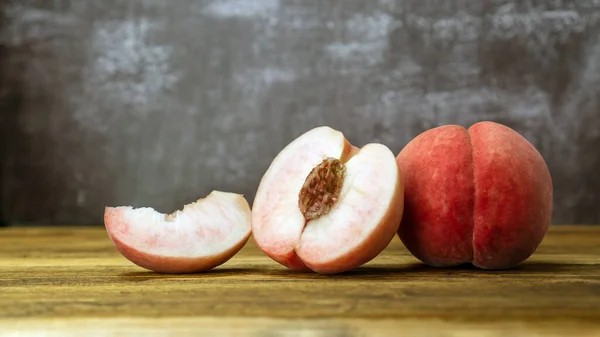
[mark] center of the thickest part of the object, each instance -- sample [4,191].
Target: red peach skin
[481,196]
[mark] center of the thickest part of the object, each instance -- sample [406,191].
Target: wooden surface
[72,281]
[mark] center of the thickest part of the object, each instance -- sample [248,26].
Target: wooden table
[71,281]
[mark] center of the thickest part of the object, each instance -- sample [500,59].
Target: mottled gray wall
[148,102]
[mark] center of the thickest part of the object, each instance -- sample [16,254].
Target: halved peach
[203,235]
[327,206]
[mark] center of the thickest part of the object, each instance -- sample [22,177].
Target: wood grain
[69,280]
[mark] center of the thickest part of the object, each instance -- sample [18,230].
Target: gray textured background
[155,103]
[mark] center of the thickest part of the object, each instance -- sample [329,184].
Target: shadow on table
[371,272]
[531,268]
[217,272]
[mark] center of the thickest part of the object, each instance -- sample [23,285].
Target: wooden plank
[262,326]
[65,279]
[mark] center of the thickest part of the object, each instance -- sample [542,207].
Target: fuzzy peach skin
[204,235]
[480,196]
[362,222]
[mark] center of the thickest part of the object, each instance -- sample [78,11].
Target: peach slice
[327,206]
[203,235]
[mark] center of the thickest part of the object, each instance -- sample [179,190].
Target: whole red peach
[480,196]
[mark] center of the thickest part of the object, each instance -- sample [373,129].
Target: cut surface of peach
[201,236]
[327,206]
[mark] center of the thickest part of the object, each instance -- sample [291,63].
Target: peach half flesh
[203,235]
[327,206]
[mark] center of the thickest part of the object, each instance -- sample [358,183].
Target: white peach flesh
[202,236]
[360,224]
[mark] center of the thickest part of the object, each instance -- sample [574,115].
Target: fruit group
[327,206]
[481,196]
[203,235]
